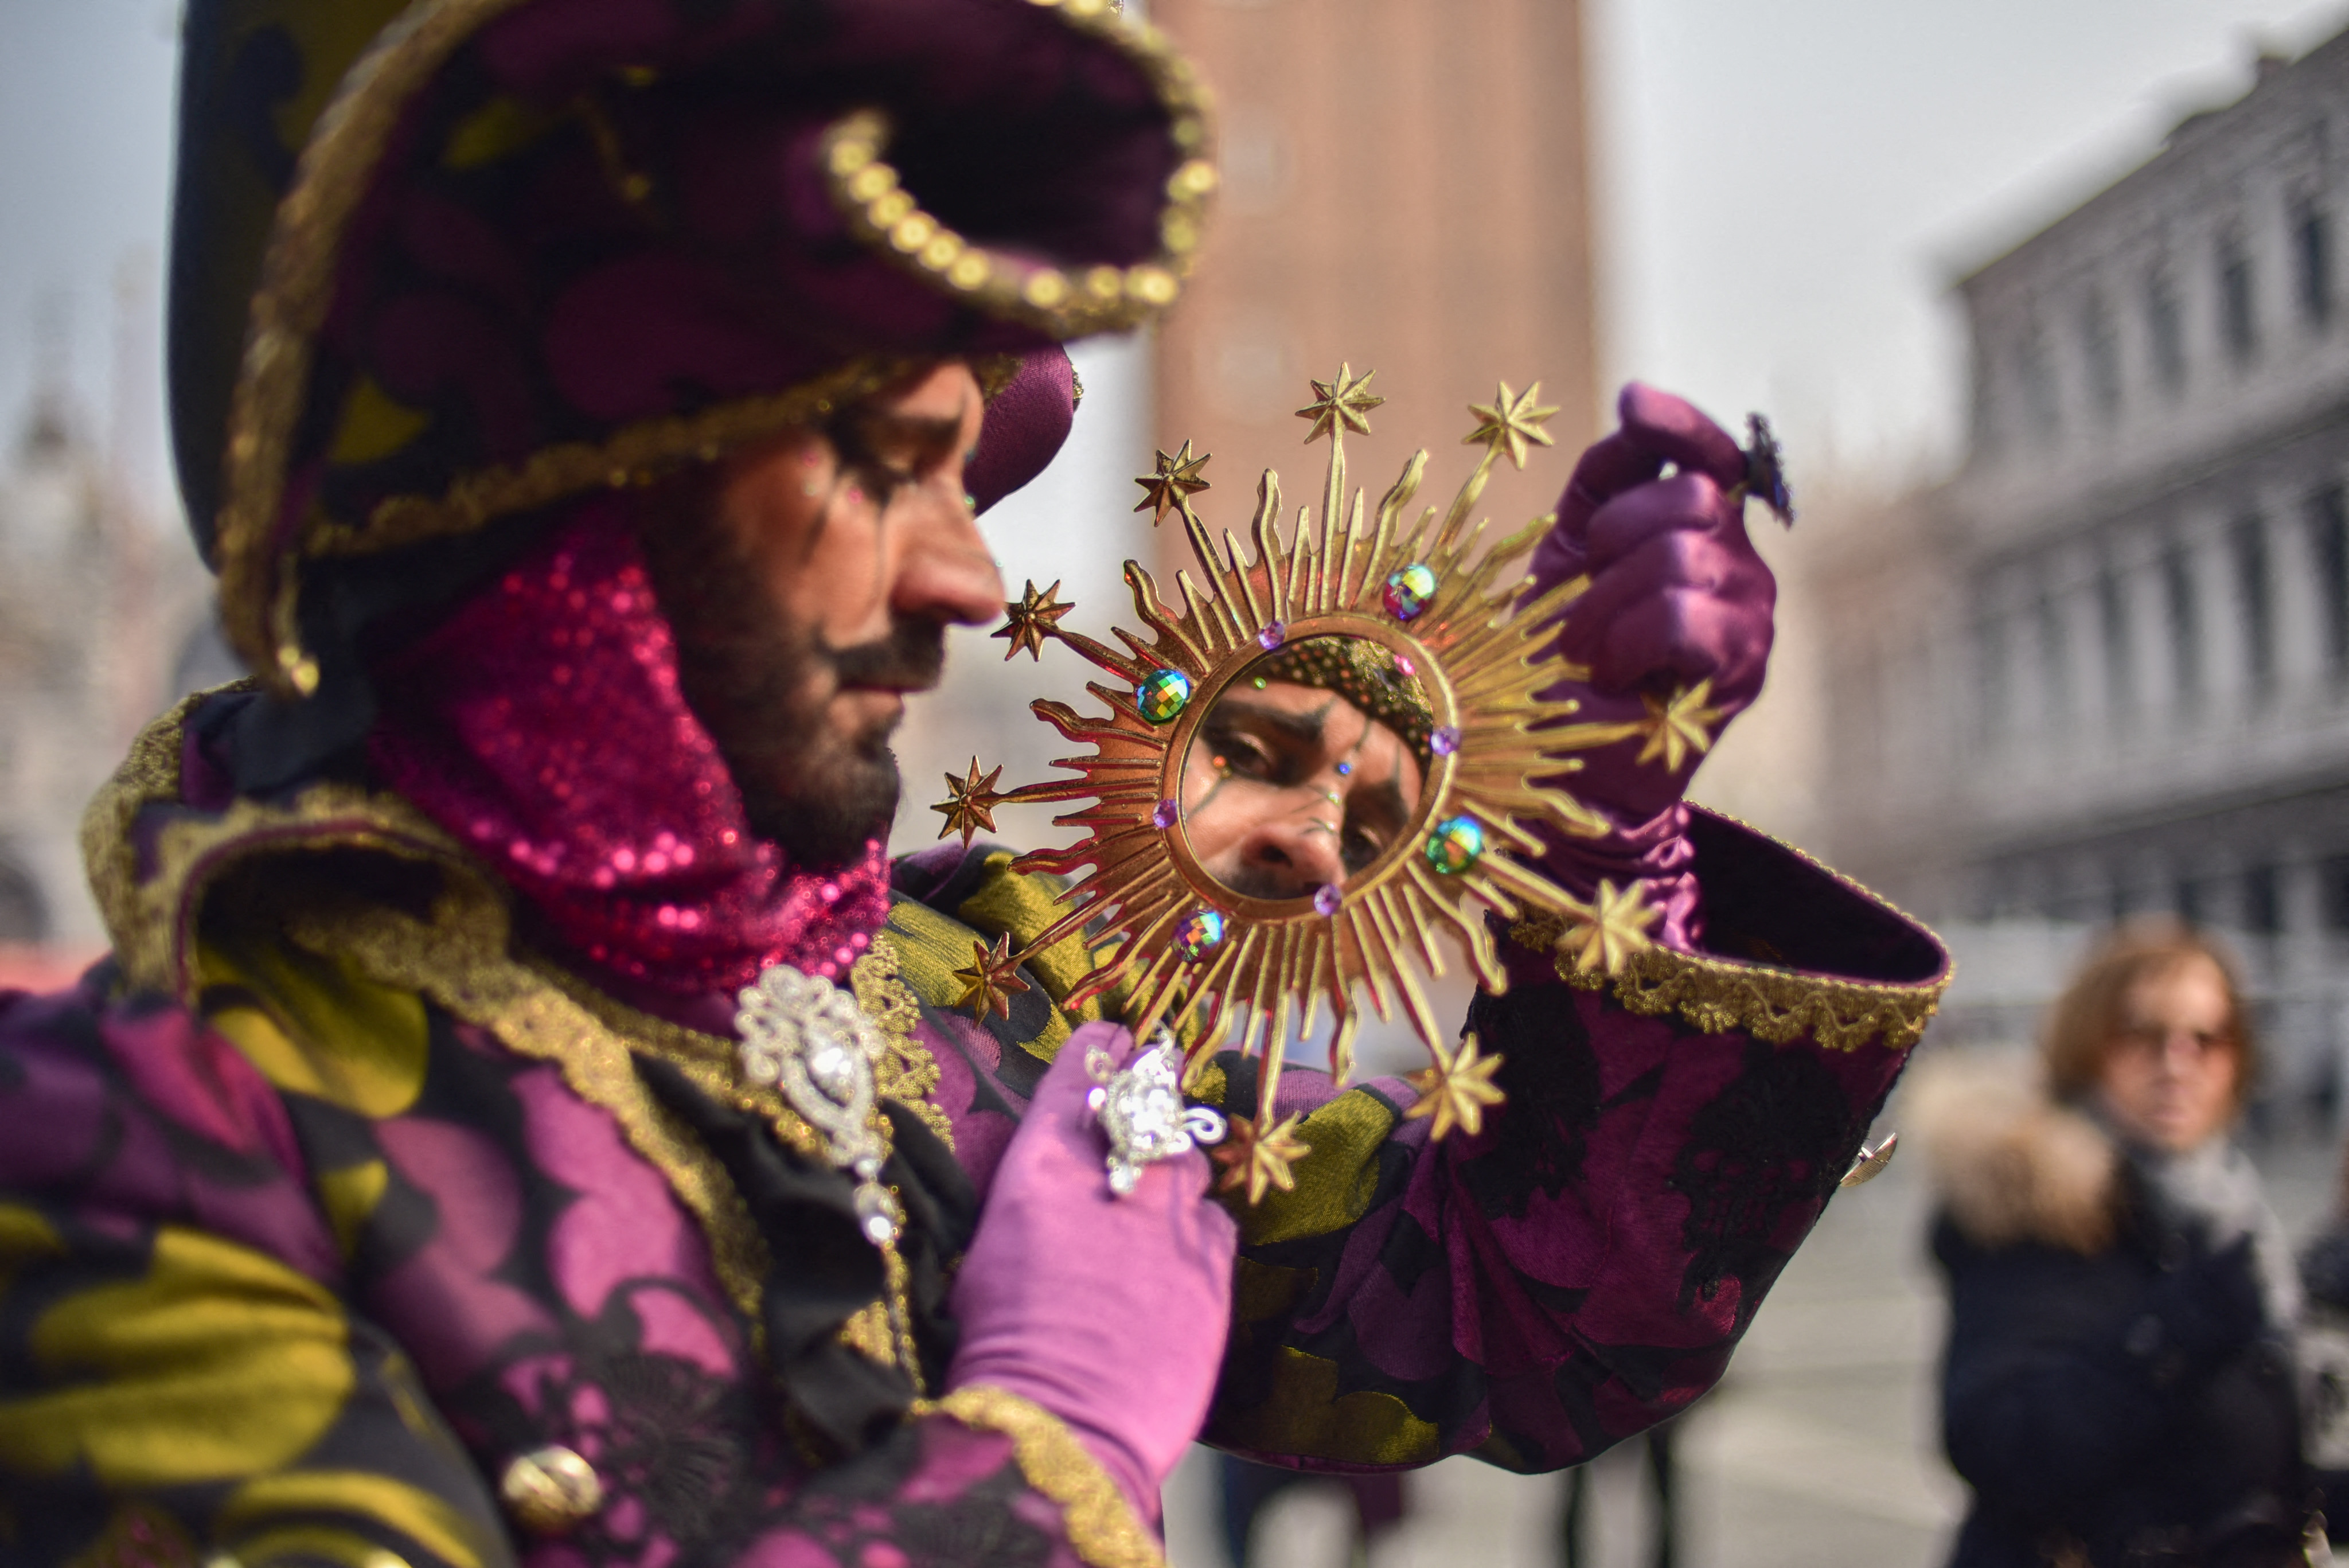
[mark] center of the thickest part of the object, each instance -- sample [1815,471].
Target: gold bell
[551,1491]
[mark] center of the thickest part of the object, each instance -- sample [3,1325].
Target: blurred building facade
[99,614]
[1406,188]
[2105,669]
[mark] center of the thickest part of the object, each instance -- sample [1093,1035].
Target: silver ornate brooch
[808,1038]
[1142,1112]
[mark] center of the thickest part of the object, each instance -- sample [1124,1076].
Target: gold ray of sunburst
[1479,656]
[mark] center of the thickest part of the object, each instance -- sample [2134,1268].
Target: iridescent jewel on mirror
[1408,592]
[1163,695]
[1199,933]
[1456,844]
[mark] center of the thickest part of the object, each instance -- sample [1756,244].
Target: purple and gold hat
[440,264]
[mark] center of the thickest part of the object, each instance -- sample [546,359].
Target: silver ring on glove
[1141,1112]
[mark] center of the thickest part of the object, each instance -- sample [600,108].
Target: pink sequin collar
[542,725]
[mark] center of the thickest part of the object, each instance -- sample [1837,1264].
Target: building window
[24,913]
[2255,602]
[2185,622]
[1997,691]
[2040,400]
[2112,618]
[1985,403]
[2312,249]
[2100,347]
[2165,329]
[2238,318]
[2055,657]
[2332,878]
[2262,902]
[2328,530]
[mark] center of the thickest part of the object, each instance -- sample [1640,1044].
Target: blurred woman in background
[2118,1386]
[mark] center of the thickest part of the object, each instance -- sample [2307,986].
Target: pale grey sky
[1787,186]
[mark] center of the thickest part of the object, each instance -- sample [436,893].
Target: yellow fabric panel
[936,945]
[310,1544]
[1025,907]
[1304,1415]
[350,1195]
[1261,1290]
[374,424]
[499,127]
[24,1236]
[328,38]
[219,1362]
[424,1518]
[324,1029]
[1335,1184]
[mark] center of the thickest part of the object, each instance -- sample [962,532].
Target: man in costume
[574,398]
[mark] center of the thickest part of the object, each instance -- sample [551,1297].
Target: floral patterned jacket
[338,1225]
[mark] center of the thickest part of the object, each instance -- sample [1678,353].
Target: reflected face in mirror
[1303,774]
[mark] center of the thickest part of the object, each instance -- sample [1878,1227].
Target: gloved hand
[1674,632]
[2208,1308]
[1110,1312]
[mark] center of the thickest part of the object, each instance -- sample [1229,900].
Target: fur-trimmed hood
[2010,1164]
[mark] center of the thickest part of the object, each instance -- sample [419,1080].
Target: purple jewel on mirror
[1169,812]
[1444,740]
[1272,637]
[1408,591]
[1328,900]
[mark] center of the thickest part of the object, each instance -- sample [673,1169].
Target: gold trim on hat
[255,547]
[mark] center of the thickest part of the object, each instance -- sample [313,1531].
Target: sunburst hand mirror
[1333,752]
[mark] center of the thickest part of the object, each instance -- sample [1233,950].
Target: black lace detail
[1759,1161]
[1551,1076]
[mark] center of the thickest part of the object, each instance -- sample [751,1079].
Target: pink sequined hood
[543,726]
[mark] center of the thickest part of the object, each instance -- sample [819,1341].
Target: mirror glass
[1308,768]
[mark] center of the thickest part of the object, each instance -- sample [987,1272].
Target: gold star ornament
[1257,1159]
[1339,405]
[1683,725]
[1601,936]
[1170,488]
[970,804]
[1035,618]
[1456,1090]
[991,980]
[1510,423]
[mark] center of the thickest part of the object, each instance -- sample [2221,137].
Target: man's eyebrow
[864,430]
[1305,727]
[1390,794]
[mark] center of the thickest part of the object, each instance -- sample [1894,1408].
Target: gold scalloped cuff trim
[1102,1524]
[1718,995]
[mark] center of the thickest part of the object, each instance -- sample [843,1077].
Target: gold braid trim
[459,961]
[1719,994]
[336,173]
[1102,1524]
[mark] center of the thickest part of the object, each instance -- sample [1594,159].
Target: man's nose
[1299,851]
[944,572]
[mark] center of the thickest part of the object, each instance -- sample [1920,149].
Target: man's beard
[756,684]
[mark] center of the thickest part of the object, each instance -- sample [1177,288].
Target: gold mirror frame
[1477,651]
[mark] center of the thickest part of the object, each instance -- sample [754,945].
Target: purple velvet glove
[1674,633]
[1110,1312]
